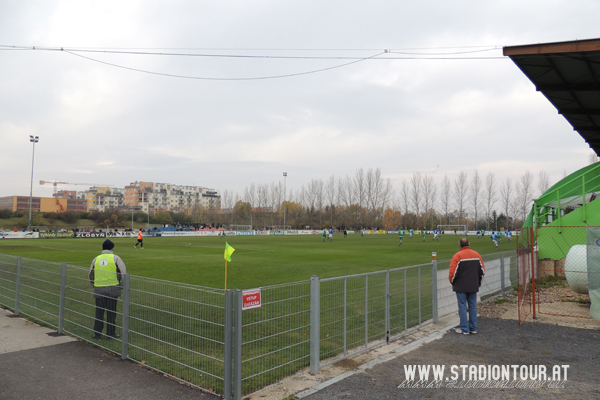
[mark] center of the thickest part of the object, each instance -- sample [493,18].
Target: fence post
[315,324]
[502,277]
[61,299]
[387,306]
[419,284]
[366,311]
[434,292]
[345,316]
[237,355]
[228,344]
[125,324]
[405,304]
[18,288]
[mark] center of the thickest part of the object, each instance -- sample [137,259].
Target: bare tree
[378,192]
[350,191]
[387,194]
[525,194]
[461,188]
[250,195]
[405,197]
[373,178]
[446,196]
[360,187]
[416,183]
[506,199]
[543,182]
[227,200]
[330,195]
[475,191]
[429,194]
[276,195]
[262,195]
[489,197]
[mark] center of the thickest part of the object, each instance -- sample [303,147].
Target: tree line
[367,200]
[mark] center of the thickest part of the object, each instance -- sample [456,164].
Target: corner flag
[228,252]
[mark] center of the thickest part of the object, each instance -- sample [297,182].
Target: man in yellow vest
[105,276]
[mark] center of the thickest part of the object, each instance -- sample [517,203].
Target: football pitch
[257,260]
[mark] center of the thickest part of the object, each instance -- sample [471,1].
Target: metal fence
[359,312]
[202,336]
[173,328]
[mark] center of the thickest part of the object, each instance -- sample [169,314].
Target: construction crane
[56,182]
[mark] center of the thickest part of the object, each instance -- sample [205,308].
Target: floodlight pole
[284,190]
[34,140]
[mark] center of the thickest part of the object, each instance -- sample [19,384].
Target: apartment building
[154,197]
[43,204]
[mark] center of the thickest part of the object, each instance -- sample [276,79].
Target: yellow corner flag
[228,252]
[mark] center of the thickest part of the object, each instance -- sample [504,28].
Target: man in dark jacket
[466,274]
[105,276]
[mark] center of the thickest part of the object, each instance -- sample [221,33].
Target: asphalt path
[499,342]
[35,363]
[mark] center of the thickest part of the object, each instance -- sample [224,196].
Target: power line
[224,79]
[387,52]
[139,52]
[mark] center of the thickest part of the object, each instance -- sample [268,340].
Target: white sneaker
[459,331]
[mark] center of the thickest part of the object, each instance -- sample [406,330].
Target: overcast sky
[440,101]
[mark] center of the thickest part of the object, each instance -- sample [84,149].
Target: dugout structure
[566,73]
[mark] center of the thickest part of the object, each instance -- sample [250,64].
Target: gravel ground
[499,342]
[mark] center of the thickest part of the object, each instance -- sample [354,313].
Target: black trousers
[108,304]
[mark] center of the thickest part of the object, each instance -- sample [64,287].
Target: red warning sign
[250,299]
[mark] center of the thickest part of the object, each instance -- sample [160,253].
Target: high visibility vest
[105,271]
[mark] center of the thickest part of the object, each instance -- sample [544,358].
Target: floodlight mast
[34,140]
[284,192]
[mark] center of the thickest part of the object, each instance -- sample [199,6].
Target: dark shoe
[97,336]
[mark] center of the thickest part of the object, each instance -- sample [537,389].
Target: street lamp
[34,140]
[284,190]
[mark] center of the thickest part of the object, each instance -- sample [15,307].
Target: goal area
[449,229]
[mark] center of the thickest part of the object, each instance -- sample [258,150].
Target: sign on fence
[250,299]
[55,235]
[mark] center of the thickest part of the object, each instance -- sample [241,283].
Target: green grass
[547,282]
[258,261]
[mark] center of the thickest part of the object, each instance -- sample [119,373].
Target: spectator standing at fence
[466,274]
[140,240]
[105,276]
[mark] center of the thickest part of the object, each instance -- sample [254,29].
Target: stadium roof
[568,74]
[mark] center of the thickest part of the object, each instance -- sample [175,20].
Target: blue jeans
[467,324]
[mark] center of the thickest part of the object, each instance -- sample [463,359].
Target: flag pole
[225,274]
